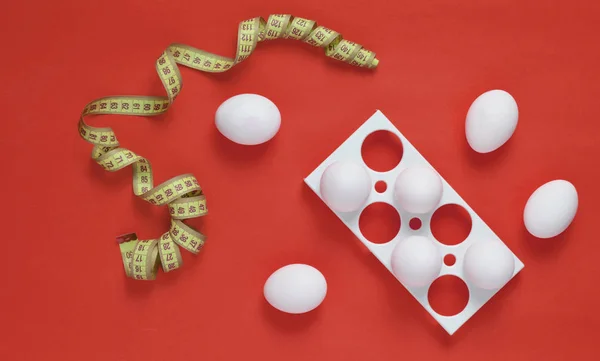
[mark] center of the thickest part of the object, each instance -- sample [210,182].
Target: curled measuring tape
[183,194]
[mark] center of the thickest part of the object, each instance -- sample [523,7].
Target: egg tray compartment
[350,150]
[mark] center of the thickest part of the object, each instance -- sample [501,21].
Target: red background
[64,294]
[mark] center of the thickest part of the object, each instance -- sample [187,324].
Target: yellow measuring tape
[183,194]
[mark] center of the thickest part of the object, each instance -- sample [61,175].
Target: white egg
[491,120]
[551,209]
[416,261]
[345,186]
[418,189]
[295,288]
[488,264]
[248,119]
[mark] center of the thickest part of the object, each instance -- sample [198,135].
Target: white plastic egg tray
[350,150]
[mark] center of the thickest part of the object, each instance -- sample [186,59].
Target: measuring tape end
[126,238]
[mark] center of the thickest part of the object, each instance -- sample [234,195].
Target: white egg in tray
[415,257]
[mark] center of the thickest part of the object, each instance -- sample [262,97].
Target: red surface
[63,292]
